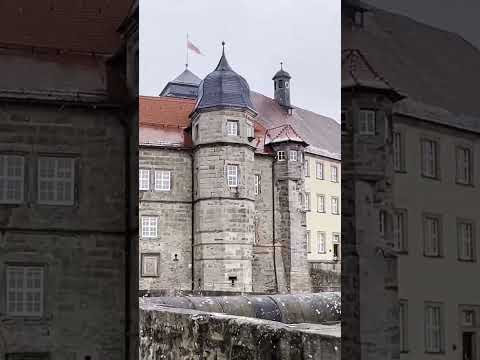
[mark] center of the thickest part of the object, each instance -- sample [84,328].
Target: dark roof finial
[223,47]
[281,65]
[223,63]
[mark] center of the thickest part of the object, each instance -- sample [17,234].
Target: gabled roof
[83,26]
[283,133]
[428,65]
[165,111]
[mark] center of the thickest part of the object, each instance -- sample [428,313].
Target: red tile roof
[84,26]
[165,111]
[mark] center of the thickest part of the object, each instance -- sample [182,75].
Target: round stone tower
[223,193]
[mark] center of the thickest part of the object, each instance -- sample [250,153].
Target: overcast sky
[305,35]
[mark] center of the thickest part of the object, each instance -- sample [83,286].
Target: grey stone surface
[171,333]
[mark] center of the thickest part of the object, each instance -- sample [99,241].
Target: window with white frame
[336,238]
[149,226]
[466,245]
[429,158]
[232,128]
[309,242]
[56,180]
[432,237]
[144,179]
[434,341]
[403,324]
[250,130]
[398,154]
[468,318]
[25,290]
[366,122]
[464,165]
[334,173]
[399,230]
[320,203]
[321,242]
[319,170]
[150,265]
[334,205]
[306,167]
[382,222]
[162,180]
[256,184]
[307,201]
[232,175]
[281,155]
[292,155]
[12,173]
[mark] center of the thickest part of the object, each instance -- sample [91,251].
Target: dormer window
[232,128]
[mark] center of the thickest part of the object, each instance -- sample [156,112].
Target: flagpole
[186,45]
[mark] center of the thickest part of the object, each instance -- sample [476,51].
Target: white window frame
[309,241]
[56,180]
[15,179]
[292,155]
[403,324]
[232,128]
[334,173]
[429,158]
[250,130]
[335,210]
[307,201]
[366,122]
[149,227]
[400,230]
[320,203]
[281,155]
[398,151]
[432,229]
[463,157]
[232,175]
[306,167]
[257,184]
[157,270]
[144,179]
[163,180]
[434,336]
[321,242]
[466,240]
[336,238]
[24,289]
[319,170]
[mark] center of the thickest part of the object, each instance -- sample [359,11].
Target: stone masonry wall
[173,210]
[181,334]
[78,246]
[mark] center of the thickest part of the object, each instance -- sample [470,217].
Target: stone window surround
[437,158]
[402,166]
[306,166]
[154,216]
[470,222]
[257,184]
[20,178]
[55,179]
[337,212]
[160,180]
[403,249]
[39,264]
[438,306]
[31,170]
[152,171]
[439,219]
[147,188]
[147,254]
[323,208]
[321,242]
[281,158]
[334,173]
[471,162]
[230,126]
[368,131]
[235,165]
[320,175]
[292,155]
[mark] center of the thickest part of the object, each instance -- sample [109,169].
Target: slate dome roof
[225,88]
[281,73]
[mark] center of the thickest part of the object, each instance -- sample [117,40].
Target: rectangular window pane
[292,155]
[367,122]
[429,158]
[334,173]
[56,178]
[399,230]
[466,248]
[149,226]
[150,264]
[11,179]
[25,290]
[232,175]
[397,151]
[307,201]
[232,128]
[321,203]
[256,184]
[144,179]
[432,236]
[319,170]
[162,180]
[321,240]
[281,155]
[306,167]
[464,165]
[433,328]
[334,205]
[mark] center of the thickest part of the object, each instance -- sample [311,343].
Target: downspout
[273,228]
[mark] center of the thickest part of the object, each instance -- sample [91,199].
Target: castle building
[225,186]
[411,128]
[67,202]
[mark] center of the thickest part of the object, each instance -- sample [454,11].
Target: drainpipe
[273,228]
